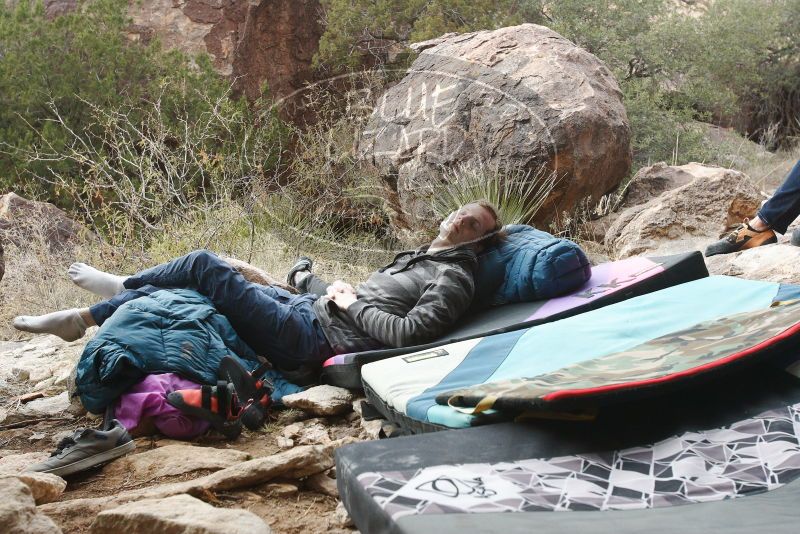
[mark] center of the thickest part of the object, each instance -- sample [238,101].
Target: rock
[309,432]
[36,436]
[774,263]
[40,357]
[44,384]
[18,513]
[180,513]
[296,463]
[174,460]
[23,220]
[277,44]
[56,438]
[322,483]
[519,97]
[341,518]
[47,406]
[284,443]
[321,400]
[688,217]
[372,429]
[650,182]
[282,489]
[44,487]
[17,463]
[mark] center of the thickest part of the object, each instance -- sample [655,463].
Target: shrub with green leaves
[88,116]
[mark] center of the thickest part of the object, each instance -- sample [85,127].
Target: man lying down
[413,300]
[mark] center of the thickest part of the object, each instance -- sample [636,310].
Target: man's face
[466,225]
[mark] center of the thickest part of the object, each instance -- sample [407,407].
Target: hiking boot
[87,448]
[216,404]
[741,238]
[304,263]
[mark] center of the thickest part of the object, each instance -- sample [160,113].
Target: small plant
[517,193]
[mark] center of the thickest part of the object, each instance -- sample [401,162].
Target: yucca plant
[517,193]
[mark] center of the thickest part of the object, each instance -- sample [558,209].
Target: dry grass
[727,148]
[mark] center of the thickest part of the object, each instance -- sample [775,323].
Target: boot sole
[92,461]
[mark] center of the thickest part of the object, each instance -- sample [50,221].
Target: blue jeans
[276,324]
[784,206]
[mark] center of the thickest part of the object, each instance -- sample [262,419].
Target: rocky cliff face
[252,41]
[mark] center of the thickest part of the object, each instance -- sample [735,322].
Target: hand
[343,299]
[339,286]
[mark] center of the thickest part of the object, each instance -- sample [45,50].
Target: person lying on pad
[412,300]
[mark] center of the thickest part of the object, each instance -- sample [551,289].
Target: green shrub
[362,31]
[86,114]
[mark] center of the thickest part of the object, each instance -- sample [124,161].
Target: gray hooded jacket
[413,300]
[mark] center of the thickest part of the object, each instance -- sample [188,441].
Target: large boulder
[521,97]
[23,221]
[693,205]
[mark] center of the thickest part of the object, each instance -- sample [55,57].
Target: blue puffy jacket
[529,265]
[170,331]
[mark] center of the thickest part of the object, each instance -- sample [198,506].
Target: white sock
[104,284]
[66,324]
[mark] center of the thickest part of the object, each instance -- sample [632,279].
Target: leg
[103,310]
[71,324]
[272,321]
[784,206]
[311,284]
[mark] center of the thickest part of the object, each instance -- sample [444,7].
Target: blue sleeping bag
[529,265]
[169,331]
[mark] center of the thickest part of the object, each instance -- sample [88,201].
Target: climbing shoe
[741,238]
[216,404]
[253,395]
[87,448]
